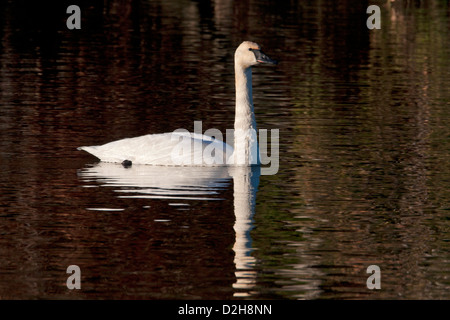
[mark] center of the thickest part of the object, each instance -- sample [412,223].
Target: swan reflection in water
[192,183]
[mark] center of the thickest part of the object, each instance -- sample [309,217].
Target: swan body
[185,148]
[160,149]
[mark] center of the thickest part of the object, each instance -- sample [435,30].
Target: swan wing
[175,148]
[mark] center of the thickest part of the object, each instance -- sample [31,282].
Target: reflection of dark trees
[386,184]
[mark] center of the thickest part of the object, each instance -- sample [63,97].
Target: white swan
[184,148]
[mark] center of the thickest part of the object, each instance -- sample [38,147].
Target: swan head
[249,54]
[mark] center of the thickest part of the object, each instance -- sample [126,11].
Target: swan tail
[92,150]
[105,154]
[87,149]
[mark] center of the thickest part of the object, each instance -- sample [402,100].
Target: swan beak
[261,57]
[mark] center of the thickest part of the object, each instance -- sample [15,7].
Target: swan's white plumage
[160,149]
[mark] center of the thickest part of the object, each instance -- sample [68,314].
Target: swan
[185,148]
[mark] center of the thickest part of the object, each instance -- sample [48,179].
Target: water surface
[364,151]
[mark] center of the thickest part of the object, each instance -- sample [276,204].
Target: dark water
[364,174]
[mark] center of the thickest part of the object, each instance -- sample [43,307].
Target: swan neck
[246,150]
[245,117]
